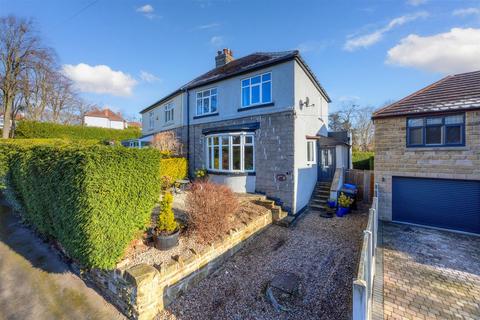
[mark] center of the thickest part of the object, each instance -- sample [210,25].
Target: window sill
[438,148]
[168,124]
[226,173]
[263,105]
[206,115]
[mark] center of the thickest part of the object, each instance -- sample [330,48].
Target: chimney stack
[223,57]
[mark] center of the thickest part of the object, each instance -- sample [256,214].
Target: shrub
[92,199]
[171,170]
[363,160]
[211,209]
[34,130]
[166,219]
[344,201]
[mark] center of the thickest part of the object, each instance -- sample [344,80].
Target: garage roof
[452,93]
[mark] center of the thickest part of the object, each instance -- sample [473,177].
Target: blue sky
[128,54]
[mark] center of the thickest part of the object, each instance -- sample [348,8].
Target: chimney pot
[223,57]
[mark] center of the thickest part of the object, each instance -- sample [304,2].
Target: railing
[363,284]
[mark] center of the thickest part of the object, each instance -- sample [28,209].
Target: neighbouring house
[18,117]
[105,118]
[427,155]
[257,124]
[134,124]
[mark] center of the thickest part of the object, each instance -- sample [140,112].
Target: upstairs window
[436,131]
[231,152]
[151,122]
[169,112]
[257,90]
[207,101]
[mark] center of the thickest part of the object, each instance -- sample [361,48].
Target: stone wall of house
[141,291]
[274,153]
[393,158]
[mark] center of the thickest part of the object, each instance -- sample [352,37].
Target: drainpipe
[188,129]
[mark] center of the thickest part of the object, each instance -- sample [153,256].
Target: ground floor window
[232,152]
[311,151]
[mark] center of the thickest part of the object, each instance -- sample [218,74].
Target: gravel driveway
[36,284]
[322,252]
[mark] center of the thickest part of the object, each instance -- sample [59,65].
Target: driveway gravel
[323,253]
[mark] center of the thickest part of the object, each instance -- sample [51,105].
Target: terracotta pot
[166,242]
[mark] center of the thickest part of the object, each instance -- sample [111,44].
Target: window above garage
[436,131]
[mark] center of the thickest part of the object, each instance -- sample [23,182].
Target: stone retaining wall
[140,292]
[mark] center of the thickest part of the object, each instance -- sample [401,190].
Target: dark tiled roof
[236,67]
[453,93]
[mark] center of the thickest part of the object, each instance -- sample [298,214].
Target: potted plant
[167,230]
[344,203]
[201,174]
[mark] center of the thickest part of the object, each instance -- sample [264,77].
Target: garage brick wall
[393,158]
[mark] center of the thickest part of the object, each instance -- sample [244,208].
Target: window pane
[245,83]
[236,158]
[213,91]
[454,119]
[216,158]
[236,139]
[248,158]
[309,151]
[415,136]
[206,105]
[255,80]
[225,163]
[199,106]
[245,96]
[267,92]
[206,93]
[453,135]
[215,141]
[433,135]
[213,103]
[199,95]
[267,77]
[434,120]
[255,94]
[415,122]
[248,139]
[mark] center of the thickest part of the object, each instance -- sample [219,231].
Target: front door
[326,166]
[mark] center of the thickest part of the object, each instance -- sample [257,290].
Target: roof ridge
[464,73]
[411,95]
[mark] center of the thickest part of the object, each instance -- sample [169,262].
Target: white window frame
[169,112]
[209,97]
[311,144]
[261,90]
[209,153]
[151,120]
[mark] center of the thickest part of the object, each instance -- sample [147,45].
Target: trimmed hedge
[46,130]
[363,160]
[92,199]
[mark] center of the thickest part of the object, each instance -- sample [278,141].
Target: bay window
[207,101]
[436,131]
[257,90]
[233,152]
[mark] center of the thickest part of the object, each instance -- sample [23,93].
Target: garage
[440,203]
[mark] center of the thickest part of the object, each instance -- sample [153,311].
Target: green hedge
[92,199]
[46,130]
[363,160]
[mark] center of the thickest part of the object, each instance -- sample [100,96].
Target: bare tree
[167,142]
[20,52]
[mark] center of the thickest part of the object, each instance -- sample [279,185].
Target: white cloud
[100,79]
[466,12]
[216,41]
[369,39]
[416,2]
[451,52]
[208,26]
[147,11]
[148,77]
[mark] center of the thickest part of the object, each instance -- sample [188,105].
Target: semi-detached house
[257,124]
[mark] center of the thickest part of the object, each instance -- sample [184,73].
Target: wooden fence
[364,180]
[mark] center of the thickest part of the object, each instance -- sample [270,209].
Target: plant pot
[331,204]
[166,242]
[341,211]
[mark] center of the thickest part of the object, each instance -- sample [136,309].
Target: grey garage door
[442,203]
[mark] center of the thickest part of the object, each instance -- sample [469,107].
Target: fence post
[360,311]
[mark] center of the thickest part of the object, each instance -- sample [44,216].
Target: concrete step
[286,221]
[278,214]
[269,204]
[318,206]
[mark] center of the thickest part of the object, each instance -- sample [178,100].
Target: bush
[211,209]
[166,219]
[171,170]
[92,199]
[46,130]
[363,160]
